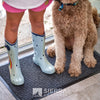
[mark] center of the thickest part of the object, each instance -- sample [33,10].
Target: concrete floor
[4,92]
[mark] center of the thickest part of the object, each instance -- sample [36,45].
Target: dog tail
[96,17]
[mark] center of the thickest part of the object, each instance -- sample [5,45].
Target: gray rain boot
[16,76]
[39,57]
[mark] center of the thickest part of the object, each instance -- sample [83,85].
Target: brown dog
[74,28]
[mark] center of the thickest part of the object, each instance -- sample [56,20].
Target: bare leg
[12,23]
[36,19]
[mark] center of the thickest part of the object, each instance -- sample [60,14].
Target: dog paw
[59,70]
[90,63]
[51,51]
[74,71]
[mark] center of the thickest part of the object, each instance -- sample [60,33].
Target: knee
[37,23]
[12,27]
[11,33]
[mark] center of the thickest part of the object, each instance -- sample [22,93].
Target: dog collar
[67,4]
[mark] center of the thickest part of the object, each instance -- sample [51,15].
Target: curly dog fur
[74,28]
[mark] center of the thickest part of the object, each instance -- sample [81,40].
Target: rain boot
[16,76]
[39,57]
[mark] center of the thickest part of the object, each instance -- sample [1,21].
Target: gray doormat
[46,84]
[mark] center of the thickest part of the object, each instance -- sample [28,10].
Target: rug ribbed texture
[34,78]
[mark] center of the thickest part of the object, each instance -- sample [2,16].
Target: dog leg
[51,50]
[89,59]
[75,65]
[60,53]
[91,40]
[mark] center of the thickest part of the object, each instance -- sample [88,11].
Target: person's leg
[36,19]
[38,38]
[12,23]
[37,16]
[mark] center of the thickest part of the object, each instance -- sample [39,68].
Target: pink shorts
[16,10]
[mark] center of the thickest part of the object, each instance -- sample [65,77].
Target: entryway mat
[43,84]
